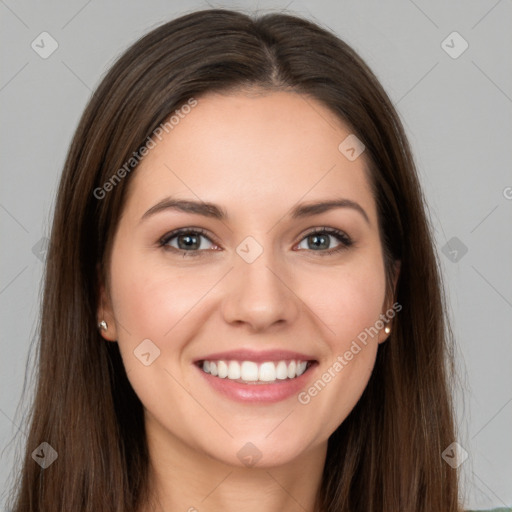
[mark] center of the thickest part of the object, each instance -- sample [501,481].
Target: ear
[383,336]
[105,311]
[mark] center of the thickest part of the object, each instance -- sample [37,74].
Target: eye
[319,238]
[188,241]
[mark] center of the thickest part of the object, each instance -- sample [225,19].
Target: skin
[257,156]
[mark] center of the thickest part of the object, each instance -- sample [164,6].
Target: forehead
[256,152]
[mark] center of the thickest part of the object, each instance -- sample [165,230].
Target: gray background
[457,113]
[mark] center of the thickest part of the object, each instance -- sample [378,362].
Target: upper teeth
[250,371]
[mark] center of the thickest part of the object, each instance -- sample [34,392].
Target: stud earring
[103,325]
[387,329]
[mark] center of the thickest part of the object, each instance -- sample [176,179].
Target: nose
[260,294]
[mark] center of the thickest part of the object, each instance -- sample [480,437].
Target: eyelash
[345,240]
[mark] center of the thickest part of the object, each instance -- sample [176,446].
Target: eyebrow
[214,211]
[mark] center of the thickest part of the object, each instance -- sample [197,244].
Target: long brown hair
[386,456]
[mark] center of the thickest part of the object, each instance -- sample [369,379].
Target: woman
[300,359]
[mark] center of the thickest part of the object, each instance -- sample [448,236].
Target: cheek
[348,301]
[153,301]
[351,309]
[151,298]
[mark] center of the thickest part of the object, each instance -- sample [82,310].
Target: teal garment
[493,510]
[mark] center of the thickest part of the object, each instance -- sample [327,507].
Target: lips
[256,376]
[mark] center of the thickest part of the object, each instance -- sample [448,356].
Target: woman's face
[257,294]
